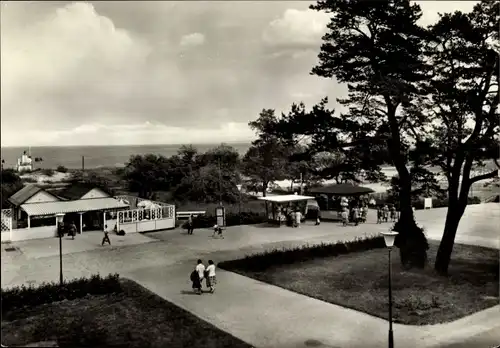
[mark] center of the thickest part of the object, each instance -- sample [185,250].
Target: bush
[120,233]
[232,219]
[440,203]
[262,261]
[62,169]
[47,172]
[20,297]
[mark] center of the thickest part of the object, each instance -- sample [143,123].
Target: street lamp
[389,238]
[59,219]
[239,186]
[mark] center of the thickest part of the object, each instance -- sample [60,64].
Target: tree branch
[486,176]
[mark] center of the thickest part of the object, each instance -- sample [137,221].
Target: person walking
[106,239]
[393,213]
[364,214]
[345,216]
[197,277]
[72,229]
[217,231]
[211,280]
[190,224]
[318,217]
[298,217]
[355,215]
[386,213]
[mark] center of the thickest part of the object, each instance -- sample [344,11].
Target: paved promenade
[258,313]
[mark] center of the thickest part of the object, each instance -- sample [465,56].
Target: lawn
[360,281]
[134,318]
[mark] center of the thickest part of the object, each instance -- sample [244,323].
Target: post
[239,208]
[104,221]
[81,222]
[220,184]
[83,163]
[301,182]
[391,336]
[59,218]
[29,221]
[60,260]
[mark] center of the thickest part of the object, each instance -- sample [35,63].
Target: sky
[119,73]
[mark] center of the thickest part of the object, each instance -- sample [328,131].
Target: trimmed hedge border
[442,203]
[20,297]
[262,261]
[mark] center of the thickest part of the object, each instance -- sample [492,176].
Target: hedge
[19,297]
[232,219]
[418,204]
[264,260]
[440,203]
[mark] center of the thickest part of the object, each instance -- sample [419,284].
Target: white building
[24,163]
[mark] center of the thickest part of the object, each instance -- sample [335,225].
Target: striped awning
[79,206]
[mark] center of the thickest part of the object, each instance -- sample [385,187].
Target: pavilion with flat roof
[281,201]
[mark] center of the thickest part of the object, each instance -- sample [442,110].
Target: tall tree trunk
[445,249]
[411,240]
[457,199]
[264,192]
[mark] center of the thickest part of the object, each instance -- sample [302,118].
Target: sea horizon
[127,145]
[99,156]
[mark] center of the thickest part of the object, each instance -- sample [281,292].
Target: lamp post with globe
[239,186]
[389,238]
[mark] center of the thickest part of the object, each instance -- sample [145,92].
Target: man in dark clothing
[318,217]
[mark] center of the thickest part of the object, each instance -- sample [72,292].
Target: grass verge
[135,317]
[359,281]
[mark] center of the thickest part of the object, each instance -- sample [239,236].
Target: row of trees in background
[211,176]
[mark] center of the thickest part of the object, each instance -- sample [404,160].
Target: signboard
[427,203]
[220,213]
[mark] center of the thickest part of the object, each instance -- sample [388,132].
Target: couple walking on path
[200,273]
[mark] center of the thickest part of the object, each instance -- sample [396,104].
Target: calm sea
[97,156]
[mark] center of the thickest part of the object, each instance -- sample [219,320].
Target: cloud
[431,9]
[133,134]
[296,28]
[67,67]
[193,39]
[72,58]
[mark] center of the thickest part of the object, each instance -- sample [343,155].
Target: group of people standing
[384,212]
[70,229]
[356,214]
[201,273]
